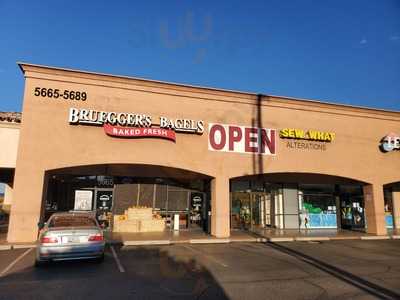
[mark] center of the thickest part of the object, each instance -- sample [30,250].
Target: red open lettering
[270,142]
[214,129]
[235,135]
[248,139]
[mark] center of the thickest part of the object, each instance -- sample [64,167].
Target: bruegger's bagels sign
[131,125]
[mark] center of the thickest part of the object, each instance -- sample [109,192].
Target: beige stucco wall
[9,137]
[48,141]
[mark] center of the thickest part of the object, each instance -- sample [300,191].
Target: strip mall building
[219,160]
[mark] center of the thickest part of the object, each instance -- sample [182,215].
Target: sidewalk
[177,237]
[199,237]
[257,235]
[286,235]
[3,240]
[4,245]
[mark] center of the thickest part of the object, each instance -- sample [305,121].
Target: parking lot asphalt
[297,270]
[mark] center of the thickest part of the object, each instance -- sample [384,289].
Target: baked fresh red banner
[133,132]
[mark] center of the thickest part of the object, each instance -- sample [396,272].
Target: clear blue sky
[345,51]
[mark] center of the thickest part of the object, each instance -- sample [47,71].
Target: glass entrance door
[240,210]
[197,213]
[258,210]
[104,204]
[249,210]
[352,212]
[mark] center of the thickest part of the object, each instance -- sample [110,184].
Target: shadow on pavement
[352,279]
[150,273]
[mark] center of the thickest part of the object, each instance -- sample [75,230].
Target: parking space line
[14,262]
[205,255]
[114,253]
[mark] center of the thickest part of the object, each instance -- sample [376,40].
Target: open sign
[241,139]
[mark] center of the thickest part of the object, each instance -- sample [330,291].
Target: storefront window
[114,195]
[146,195]
[388,200]
[317,211]
[277,207]
[317,206]
[296,205]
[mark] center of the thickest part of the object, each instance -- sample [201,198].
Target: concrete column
[220,207]
[374,209]
[396,209]
[27,203]
[8,195]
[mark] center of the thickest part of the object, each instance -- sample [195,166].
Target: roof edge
[23,65]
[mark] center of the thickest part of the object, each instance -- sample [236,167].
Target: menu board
[83,200]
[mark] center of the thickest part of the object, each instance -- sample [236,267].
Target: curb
[311,239]
[23,246]
[146,243]
[376,237]
[257,240]
[342,238]
[16,246]
[209,241]
[249,240]
[5,247]
[224,241]
[280,239]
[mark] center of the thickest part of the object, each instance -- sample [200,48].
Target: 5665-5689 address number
[64,94]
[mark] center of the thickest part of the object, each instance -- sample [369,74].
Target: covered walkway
[260,235]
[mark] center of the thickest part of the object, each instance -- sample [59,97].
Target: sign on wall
[133,125]
[306,139]
[313,135]
[241,139]
[390,142]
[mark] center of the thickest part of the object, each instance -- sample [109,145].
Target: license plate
[74,239]
[70,239]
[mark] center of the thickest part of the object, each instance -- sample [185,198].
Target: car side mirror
[41,225]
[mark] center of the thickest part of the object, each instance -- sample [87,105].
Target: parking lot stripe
[114,253]
[207,256]
[14,262]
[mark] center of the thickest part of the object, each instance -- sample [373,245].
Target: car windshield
[71,221]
